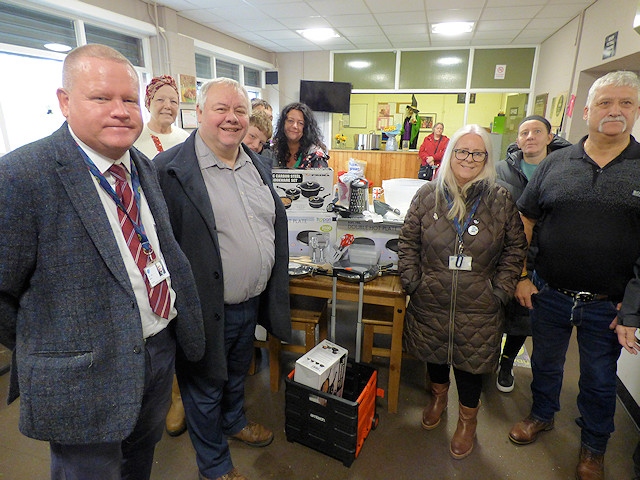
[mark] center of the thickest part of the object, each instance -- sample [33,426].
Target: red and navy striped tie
[159,298]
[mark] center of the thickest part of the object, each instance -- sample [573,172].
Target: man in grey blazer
[93,355]
[231,224]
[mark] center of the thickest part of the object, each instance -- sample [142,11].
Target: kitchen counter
[381,164]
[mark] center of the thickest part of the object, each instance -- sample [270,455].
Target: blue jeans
[552,320]
[215,408]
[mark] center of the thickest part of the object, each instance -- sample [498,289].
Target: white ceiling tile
[404,29]
[298,23]
[367,24]
[491,25]
[401,18]
[461,15]
[361,31]
[395,5]
[342,7]
[509,13]
[351,20]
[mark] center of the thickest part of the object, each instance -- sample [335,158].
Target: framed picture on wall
[427,121]
[189,118]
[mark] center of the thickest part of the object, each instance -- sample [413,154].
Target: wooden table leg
[395,360]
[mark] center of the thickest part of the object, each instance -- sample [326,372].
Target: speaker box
[271,78]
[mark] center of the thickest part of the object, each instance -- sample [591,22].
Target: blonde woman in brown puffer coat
[461,253]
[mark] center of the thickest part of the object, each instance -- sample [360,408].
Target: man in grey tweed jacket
[92,363]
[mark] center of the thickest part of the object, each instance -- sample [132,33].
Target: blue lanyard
[135,180]
[460,229]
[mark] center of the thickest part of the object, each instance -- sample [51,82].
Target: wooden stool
[375,319]
[301,320]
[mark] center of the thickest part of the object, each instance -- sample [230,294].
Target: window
[130,47]
[203,66]
[252,77]
[227,70]
[29,28]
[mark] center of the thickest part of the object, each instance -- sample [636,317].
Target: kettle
[359,195]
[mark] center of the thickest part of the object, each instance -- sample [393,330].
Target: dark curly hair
[311,134]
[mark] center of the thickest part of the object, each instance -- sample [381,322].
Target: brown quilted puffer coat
[455,317]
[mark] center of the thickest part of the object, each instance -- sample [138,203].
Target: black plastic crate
[329,424]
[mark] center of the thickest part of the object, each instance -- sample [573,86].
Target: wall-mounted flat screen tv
[331,97]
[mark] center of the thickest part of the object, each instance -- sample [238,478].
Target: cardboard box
[323,368]
[384,235]
[301,224]
[303,185]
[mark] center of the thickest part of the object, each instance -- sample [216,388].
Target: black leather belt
[582,296]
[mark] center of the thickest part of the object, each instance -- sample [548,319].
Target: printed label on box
[308,190]
[323,368]
[301,225]
[383,235]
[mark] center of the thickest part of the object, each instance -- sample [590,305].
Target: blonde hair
[446,180]
[262,122]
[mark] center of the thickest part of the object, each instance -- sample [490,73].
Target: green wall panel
[519,62]
[370,70]
[434,69]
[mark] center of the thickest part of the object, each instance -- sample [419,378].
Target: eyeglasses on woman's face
[477,157]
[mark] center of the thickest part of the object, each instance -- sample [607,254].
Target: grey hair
[619,78]
[227,82]
[447,181]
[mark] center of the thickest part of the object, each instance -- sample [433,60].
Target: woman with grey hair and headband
[159,134]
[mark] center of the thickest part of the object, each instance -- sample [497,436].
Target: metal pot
[317,202]
[292,193]
[368,141]
[310,189]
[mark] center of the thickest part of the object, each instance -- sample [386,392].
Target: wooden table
[385,291]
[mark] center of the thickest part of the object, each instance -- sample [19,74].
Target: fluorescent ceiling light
[359,64]
[318,33]
[57,47]
[452,28]
[449,60]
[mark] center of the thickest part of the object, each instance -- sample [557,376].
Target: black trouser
[512,346]
[469,384]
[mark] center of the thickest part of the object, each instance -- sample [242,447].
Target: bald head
[74,62]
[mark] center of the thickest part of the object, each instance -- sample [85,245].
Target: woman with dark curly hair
[298,141]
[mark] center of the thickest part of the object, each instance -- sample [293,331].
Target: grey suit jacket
[194,226]
[67,307]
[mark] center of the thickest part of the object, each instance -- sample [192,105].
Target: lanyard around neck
[135,181]
[460,229]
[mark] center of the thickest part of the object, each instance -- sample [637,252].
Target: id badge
[156,272]
[460,262]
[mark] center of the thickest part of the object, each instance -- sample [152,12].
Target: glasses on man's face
[477,157]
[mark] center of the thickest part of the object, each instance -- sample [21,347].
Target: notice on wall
[500,72]
[610,42]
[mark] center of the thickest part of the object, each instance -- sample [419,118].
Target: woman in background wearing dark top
[433,147]
[298,141]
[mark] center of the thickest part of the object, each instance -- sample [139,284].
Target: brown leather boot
[433,412]
[175,422]
[590,466]
[464,437]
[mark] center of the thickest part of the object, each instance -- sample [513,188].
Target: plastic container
[332,425]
